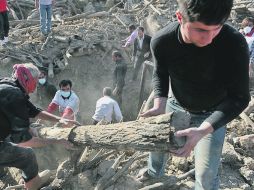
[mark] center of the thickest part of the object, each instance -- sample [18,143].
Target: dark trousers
[4,25]
[138,62]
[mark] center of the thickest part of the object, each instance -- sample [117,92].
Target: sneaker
[6,39]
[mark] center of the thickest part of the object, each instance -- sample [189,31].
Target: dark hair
[65,83]
[132,27]
[209,12]
[141,28]
[117,54]
[246,21]
[107,91]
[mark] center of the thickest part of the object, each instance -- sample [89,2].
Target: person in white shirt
[106,107]
[66,100]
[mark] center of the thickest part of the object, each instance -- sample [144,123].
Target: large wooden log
[145,134]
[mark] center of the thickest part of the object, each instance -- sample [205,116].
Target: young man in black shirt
[201,67]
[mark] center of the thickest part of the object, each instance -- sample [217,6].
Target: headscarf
[25,78]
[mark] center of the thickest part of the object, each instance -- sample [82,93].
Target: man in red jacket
[4,22]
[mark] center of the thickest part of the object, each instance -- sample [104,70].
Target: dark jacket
[15,111]
[119,74]
[137,51]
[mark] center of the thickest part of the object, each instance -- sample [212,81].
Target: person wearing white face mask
[45,91]
[248,32]
[66,100]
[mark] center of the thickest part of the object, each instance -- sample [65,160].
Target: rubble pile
[87,28]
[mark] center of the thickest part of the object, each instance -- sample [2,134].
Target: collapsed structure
[84,35]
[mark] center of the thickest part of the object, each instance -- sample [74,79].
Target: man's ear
[179,17]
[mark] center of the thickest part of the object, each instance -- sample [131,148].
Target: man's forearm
[160,103]
[39,142]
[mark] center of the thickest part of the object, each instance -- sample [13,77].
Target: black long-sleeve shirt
[214,77]
[15,111]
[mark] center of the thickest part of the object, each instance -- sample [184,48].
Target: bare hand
[152,112]
[193,136]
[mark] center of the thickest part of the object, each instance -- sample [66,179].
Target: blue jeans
[207,153]
[45,18]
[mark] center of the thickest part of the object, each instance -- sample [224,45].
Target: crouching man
[16,137]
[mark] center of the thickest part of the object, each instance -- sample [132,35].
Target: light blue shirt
[45,2]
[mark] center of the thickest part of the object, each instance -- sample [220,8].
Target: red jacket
[3,6]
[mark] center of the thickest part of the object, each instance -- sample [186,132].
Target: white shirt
[250,41]
[105,107]
[72,102]
[140,42]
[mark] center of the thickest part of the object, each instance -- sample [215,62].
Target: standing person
[45,91]
[106,107]
[248,26]
[141,51]
[205,81]
[16,136]
[45,15]
[133,35]
[66,100]
[248,32]
[4,22]
[118,75]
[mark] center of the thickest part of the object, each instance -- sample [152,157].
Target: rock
[229,155]
[247,174]
[231,179]
[249,162]
[81,181]
[181,163]
[104,166]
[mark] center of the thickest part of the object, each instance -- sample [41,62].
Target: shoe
[6,39]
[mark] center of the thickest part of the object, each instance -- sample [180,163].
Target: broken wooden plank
[145,134]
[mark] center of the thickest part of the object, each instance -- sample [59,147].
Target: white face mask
[42,81]
[65,94]
[247,29]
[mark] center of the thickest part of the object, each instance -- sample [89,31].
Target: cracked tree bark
[146,134]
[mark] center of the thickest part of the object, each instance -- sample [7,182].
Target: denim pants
[45,18]
[207,153]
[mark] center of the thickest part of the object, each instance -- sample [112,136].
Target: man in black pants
[141,51]
[205,63]
[118,76]
[4,22]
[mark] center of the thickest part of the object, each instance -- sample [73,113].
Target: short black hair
[117,54]
[141,28]
[132,27]
[209,12]
[65,83]
[107,91]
